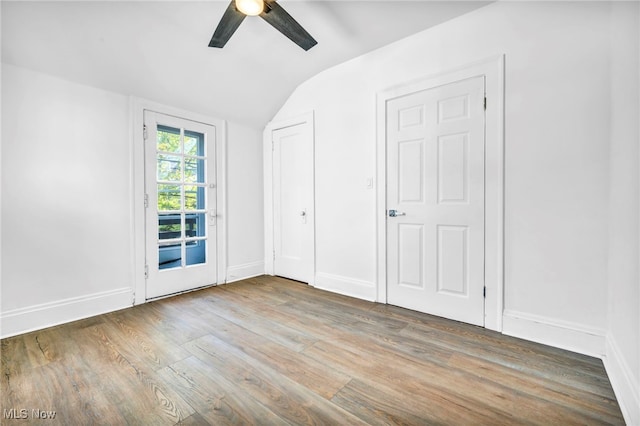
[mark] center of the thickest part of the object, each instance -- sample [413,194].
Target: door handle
[395,213]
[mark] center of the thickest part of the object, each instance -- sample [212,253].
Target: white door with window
[180,200]
[435,201]
[293,226]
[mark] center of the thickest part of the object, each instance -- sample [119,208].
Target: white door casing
[181,240]
[492,70]
[289,199]
[435,199]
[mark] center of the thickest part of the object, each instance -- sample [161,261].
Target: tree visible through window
[181,196]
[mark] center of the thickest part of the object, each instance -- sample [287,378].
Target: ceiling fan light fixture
[270,11]
[250,7]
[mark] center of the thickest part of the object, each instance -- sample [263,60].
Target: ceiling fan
[268,10]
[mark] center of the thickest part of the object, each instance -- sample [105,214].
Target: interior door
[435,201]
[180,200]
[293,211]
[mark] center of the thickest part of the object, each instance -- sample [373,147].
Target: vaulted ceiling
[158,50]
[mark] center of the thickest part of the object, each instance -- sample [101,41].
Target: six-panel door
[435,183]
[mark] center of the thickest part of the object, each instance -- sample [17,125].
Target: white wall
[557,79]
[245,200]
[66,200]
[65,193]
[558,129]
[623,339]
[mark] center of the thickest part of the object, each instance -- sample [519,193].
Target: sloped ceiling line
[158,50]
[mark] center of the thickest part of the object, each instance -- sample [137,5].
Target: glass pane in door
[182,203]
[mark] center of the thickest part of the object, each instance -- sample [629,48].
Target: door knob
[395,213]
[303,213]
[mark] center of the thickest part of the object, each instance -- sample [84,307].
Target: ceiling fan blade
[275,15]
[228,25]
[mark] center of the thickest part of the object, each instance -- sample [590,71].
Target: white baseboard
[553,332]
[346,286]
[37,317]
[625,386]
[244,271]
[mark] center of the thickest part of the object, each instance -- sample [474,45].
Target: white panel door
[180,198]
[435,201]
[293,202]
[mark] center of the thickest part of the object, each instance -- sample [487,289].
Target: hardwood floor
[272,351]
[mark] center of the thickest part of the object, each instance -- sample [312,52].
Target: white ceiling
[158,50]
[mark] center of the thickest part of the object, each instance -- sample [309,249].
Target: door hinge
[274,255]
[485,103]
[273,145]
[484,292]
[146,201]
[146,271]
[144,132]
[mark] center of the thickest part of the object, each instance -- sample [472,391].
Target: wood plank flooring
[272,351]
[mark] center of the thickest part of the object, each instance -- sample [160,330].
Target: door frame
[137,107]
[308,120]
[493,71]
